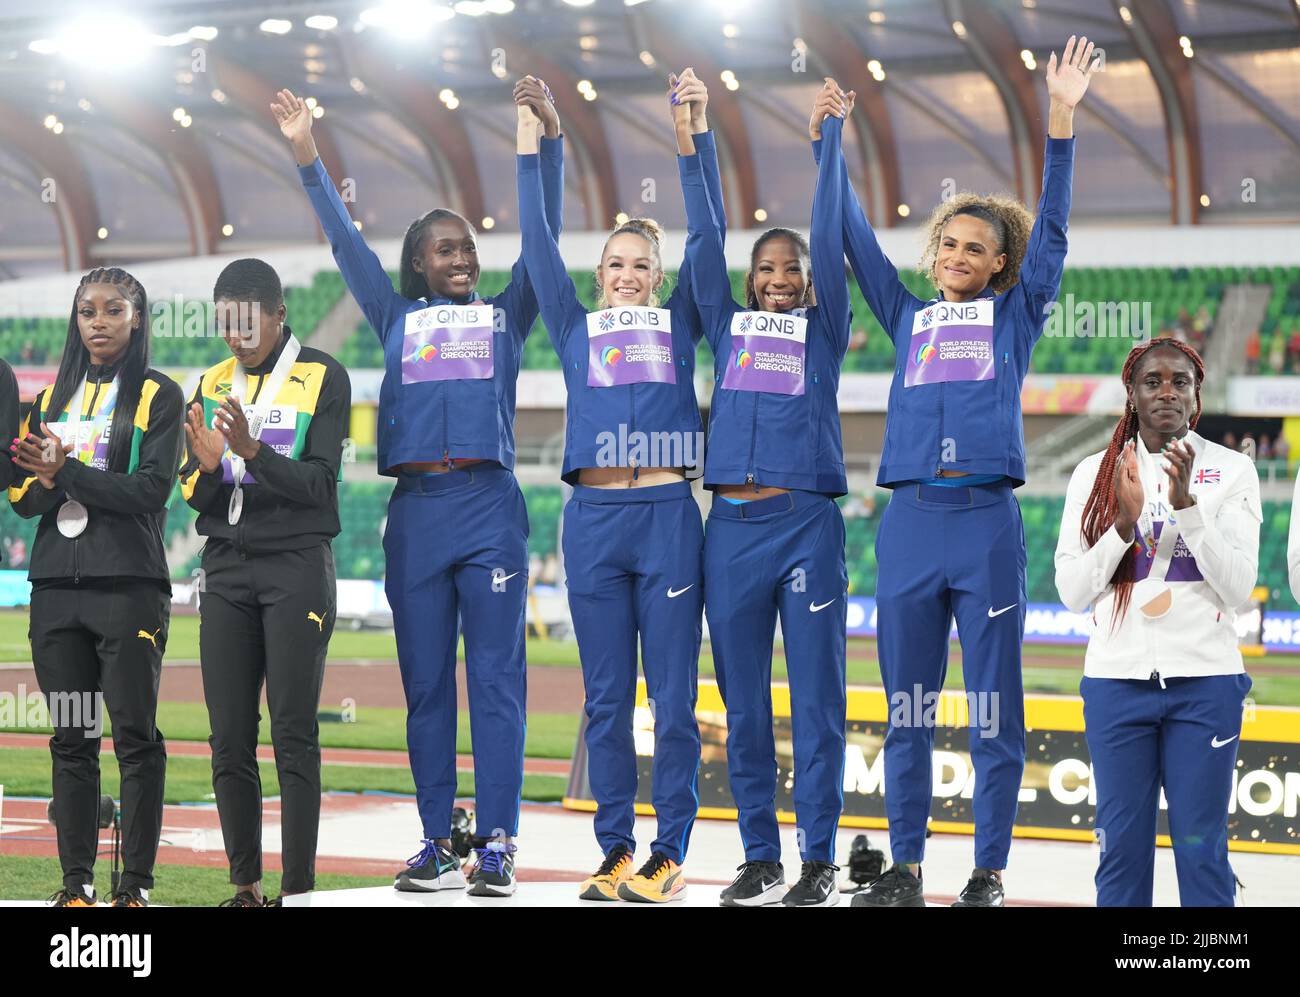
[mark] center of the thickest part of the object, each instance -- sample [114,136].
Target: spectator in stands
[1293,350]
[446,433]
[1230,440]
[1265,449]
[1277,353]
[27,355]
[96,462]
[1159,543]
[1282,449]
[1252,352]
[265,431]
[15,552]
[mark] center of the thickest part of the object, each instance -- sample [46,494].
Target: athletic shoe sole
[772,895]
[454,880]
[485,889]
[830,901]
[910,902]
[594,893]
[632,896]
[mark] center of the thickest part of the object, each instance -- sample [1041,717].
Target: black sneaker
[244,898]
[494,874]
[816,887]
[69,897]
[129,896]
[896,888]
[759,884]
[983,890]
[433,868]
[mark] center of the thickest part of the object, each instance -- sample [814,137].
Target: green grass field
[372,645]
[23,877]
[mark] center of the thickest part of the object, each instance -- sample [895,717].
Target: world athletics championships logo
[925,354]
[425,353]
[610,355]
[743,359]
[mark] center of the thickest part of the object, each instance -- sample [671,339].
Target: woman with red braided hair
[1160,544]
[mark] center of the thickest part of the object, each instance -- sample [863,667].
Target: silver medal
[236,506]
[72,518]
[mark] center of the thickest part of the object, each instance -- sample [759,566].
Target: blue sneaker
[494,876]
[433,868]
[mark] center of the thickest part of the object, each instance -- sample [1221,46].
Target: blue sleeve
[707,149]
[704,270]
[877,277]
[362,272]
[1044,263]
[550,282]
[827,242]
[518,300]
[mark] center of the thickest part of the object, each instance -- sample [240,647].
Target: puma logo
[319,621]
[150,637]
[300,380]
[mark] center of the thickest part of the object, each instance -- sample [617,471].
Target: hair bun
[647,227]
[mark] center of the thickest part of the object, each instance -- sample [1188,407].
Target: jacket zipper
[631,402]
[76,541]
[939,463]
[753,435]
[446,448]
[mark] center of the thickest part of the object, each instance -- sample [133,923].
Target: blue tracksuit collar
[988,292]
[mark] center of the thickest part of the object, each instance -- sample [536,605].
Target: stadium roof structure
[149,136]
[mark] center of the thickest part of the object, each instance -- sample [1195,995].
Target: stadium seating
[305,306]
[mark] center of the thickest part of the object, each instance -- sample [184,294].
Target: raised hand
[294,118]
[1128,491]
[1067,81]
[831,99]
[534,93]
[688,89]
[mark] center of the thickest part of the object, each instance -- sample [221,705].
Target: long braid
[75,363]
[1102,506]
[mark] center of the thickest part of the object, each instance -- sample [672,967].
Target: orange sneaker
[85,897]
[613,873]
[658,881]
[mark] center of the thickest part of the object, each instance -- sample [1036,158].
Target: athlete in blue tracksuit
[456,542]
[951,542]
[632,532]
[775,540]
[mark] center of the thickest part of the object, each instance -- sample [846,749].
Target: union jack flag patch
[1207,476]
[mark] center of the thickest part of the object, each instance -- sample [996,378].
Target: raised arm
[556,296]
[826,241]
[877,277]
[1044,262]
[519,299]
[362,272]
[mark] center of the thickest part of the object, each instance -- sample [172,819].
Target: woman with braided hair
[96,459]
[1159,542]
[951,543]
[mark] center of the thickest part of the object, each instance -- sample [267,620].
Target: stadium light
[904,211]
[760,215]
[471,8]
[647,59]
[489,222]
[203,33]
[108,41]
[407,18]
[322,22]
[102,233]
[579,3]
[499,6]
[227,230]
[633,3]
[876,17]
[730,31]
[276,26]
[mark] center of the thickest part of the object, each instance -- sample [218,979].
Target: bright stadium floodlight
[471,8]
[108,41]
[499,6]
[203,33]
[406,18]
[276,26]
[579,3]
[322,22]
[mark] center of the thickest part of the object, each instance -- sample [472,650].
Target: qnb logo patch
[746,322]
[927,319]
[610,355]
[925,354]
[743,359]
[606,321]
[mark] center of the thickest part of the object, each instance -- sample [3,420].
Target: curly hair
[1102,505]
[1011,221]
[649,230]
